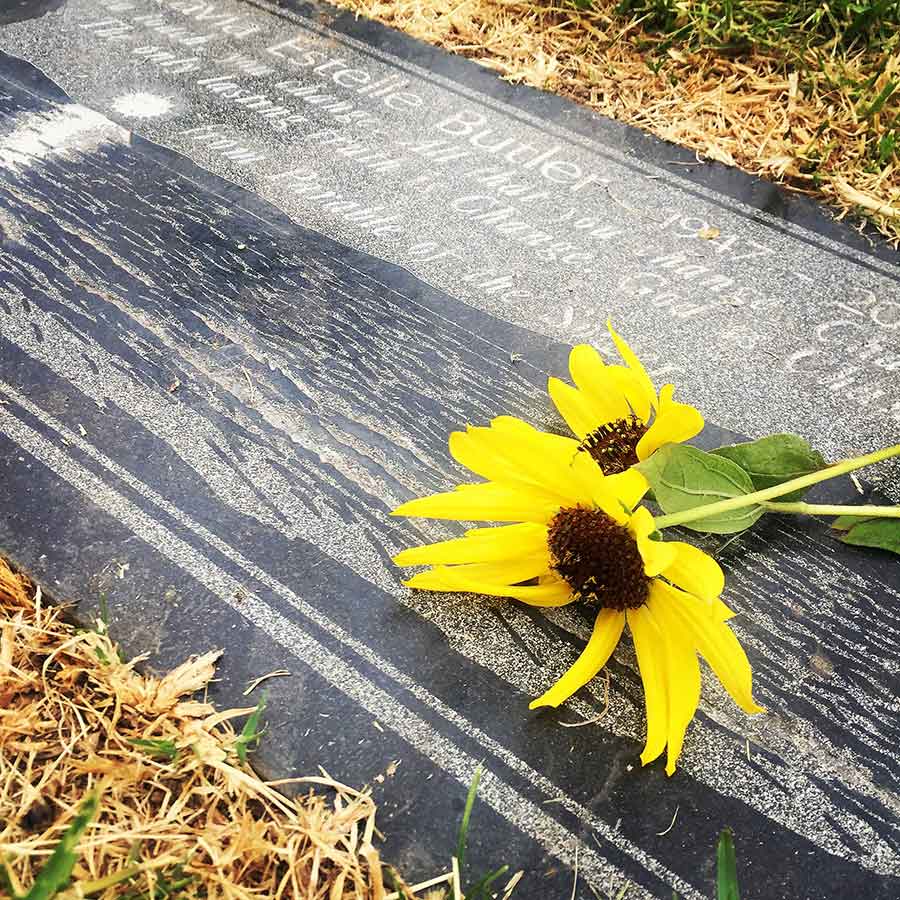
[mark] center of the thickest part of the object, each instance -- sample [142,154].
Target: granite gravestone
[215,389]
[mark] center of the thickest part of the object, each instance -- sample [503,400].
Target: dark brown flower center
[598,558]
[613,446]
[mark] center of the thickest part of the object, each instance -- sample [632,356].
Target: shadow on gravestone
[229,405]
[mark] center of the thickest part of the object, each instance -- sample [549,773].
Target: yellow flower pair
[579,535]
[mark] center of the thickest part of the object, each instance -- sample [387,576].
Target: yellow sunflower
[577,536]
[615,410]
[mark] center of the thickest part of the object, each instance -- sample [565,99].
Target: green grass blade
[57,871]
[886,93]
[726,881]
[251,732]
[157,749]
[467,814]
[479,891]
[104,613]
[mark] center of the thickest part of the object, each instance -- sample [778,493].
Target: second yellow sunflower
[616,411]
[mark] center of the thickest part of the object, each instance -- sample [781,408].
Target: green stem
[95,887]
[778,490]
[821,509]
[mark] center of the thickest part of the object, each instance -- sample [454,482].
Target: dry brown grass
[70,712]
[795,126]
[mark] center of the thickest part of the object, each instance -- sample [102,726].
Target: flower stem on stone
[823,509]
[779,490]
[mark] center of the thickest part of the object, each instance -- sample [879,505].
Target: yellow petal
[513,425]
[572,407]
[545,460]
[674,423]
[500,532]
[605,398]
[649,647]
[635,365]
[540,444]
[641,523]
[597,488]
[720,611]
[503,573]
[511,451]
[717,644]
[682,670]
[657,555]
[473,449]
[634,388]
[550,591]
[695,572]
[489,502]
[553,443]
[505,451]
[629,486]
[607,631]
[506,571]
[478,546]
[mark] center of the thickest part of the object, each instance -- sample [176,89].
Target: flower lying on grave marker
[580,536]
[615,410]
[723,491]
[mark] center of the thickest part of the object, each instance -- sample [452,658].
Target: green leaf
[775,459]
[845,523]
[251,732]
[726,880]
[57,871]
[685,477]
[880,534]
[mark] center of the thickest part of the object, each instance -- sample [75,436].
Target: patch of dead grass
[795,126]
[70,714]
